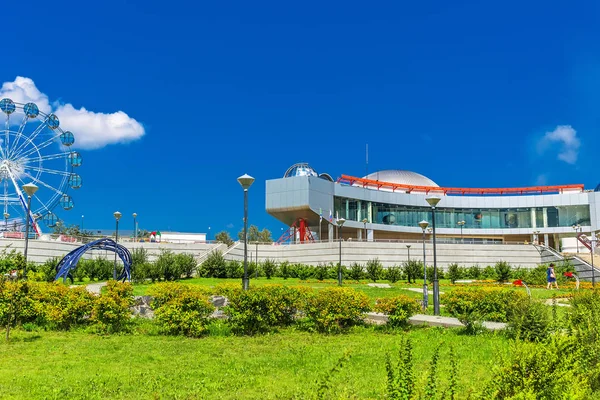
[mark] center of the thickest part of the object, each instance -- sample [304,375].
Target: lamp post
[81,227]
[461,224]
[424,224]
[208,238]
[117,216]
[536,238]
[433,202]
[577,228]
[245,181]
[364,221]
[340,224]
[594,241]
[134,227]
[30,189]
[408,249]
[6,215]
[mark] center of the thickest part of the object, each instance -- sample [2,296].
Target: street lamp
[245,181]
[461,224]
[6,215]
[433,202]
[577,228]
[536,238]
[208,238]
[117,216]
[135,227]
[364,221]
[408,249]
[81,228]
[30,189]
[340,224]
[592,251]
[424,224]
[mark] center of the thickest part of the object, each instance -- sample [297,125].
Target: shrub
[167,264]
[502,271]
[474,272]
[488,272]
[254,270]
[321,272]
[11,260]
[530,321]
[374,269]
[492,304]
[234,269]
[303,272]
[261,309]
[401,376]
[584,324]
[269,268]
[284,270]
[413,269]
[164,292]
[111,310]
[356,271]
[394,274]
[453,272]
[399,309]
[335,309]
[187,313]
[15,304]
[48,269]
[227,289]
[62,307]
[139,259]
[185,264]
[214,265]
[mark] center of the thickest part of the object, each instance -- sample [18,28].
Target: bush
[321,272]
[261,309]
[164,292]
[374,269]
[488,272]
[356,271]
[214,265]
[187,313]
[185,264]
[167,263]
[111,310]
[335,309]
[474,272]
[413,269]
[139,259]
[11,260]
[303,272]
[502,271]
[48,269]
[62,307]
[15,304]
[269,268]
[399,309]
[394,274]
[530,321]
[234,269]
[227,289]
[453,272]
[284,270]
[491,304]
[584,324]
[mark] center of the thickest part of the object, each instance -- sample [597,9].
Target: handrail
[371,183]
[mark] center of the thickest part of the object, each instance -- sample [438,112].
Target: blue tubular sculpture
[69,262]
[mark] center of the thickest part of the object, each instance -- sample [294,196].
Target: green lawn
[285,365]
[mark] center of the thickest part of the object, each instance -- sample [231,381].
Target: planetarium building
[388,205]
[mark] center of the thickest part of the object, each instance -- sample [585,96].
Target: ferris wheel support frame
[32,221]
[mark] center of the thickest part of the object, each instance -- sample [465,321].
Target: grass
[286,365]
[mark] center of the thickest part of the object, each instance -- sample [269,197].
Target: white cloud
[541,180]
[566,138]
[92,130]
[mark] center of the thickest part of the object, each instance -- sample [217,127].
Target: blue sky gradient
[463,92]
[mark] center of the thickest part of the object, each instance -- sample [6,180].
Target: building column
[545,216]
[359,216]
[330,232]
[533,221]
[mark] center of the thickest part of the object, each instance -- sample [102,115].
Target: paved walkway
[433,320]
[419,290]
[95,288]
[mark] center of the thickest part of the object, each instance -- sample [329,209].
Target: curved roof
[300,169]
[401,177]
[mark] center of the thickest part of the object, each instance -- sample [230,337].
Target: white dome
[300,169]
[401,177]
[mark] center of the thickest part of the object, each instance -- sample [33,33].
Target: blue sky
[468,93]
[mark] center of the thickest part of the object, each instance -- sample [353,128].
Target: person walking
[551,276]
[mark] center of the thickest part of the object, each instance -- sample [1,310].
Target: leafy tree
[14,301]
[224,237]
[254,235]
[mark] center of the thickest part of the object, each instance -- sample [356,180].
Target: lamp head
[117,215]
[6,215]
[364,221]
[246,181]
[30,189]
[340,222]
[433,201]
[134,215]
[423,224]
[408,246]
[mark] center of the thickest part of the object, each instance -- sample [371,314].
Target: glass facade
[475,218]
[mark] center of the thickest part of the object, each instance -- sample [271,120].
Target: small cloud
[541,179]
[229,226]
[565,138]
[92,130]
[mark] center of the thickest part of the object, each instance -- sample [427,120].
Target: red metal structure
[303,232]
[374,184]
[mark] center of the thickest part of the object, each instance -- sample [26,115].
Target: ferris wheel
[34,149]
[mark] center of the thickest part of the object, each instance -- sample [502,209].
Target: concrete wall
[393,253]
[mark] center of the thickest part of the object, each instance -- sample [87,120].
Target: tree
[14,301]
[223,237]
[254,235]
